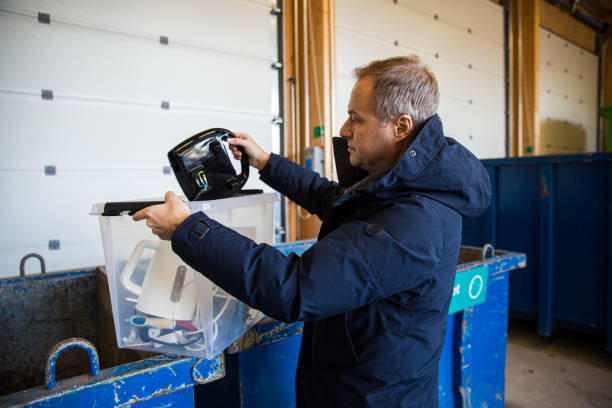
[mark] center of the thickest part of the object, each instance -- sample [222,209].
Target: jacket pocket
[332,343]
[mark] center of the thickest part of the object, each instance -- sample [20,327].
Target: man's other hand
[258,158]
[163,219]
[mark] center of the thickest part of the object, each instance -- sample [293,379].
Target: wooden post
[309,94]
[525,18]
[515,111]
[319,74]
[530,74]
[291,105]
[607,92]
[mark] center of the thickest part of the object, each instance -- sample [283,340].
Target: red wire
[186,325]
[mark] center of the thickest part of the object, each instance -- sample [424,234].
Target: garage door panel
[87,254]
[208,23]
[461,42]
[171,73]
[105,129]
[462,120]
[481,16]
[412,29]
[568,89]
[44,208]
[105,136]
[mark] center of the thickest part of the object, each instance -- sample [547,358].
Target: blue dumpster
[41,313]
[472,365]
[259,368]
[558,211]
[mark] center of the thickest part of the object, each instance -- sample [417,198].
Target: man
[374,291]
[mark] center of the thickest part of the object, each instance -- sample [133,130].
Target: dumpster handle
[25,258]
[94,364]
[486,248]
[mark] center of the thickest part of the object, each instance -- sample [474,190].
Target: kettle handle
[236,182]
[130,267]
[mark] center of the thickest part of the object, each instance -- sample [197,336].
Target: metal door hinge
[50,171]
[47,94]
[44,18]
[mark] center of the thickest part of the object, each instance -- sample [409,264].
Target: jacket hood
[435,166]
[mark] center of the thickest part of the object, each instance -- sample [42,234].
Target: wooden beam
[309,94]
[607,93]
[319,74]
[564,25]
[515,112]
[607,73]
[290,107]
[530,78]
[319,38]
[525,76]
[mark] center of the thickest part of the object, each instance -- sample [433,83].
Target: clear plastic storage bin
[159,303]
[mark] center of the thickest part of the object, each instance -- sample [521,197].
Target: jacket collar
[418,155]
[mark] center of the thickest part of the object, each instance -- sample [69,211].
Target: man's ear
[404,126]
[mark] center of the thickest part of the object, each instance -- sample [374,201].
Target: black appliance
[203,169]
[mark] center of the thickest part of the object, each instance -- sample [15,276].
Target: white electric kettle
[168,289]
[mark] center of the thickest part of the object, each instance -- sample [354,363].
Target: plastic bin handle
[130,267]
[59,348]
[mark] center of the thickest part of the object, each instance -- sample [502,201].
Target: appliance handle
[130,267]
[239,180]
[131,207]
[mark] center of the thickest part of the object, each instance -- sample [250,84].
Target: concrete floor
[565,370]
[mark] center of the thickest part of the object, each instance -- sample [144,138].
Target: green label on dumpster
[470,288]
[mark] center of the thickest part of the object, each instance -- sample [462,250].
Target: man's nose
[345,130]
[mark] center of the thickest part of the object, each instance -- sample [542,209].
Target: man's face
[371,147]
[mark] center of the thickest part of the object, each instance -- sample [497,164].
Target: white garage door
[462,41]
[568,95]
[94,93]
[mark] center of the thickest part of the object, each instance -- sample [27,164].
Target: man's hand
[164,218]
[258,158]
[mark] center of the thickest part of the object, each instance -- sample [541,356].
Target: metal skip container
[262,373]
[558,211]
[473,360]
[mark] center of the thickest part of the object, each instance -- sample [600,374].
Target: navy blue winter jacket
[374,290]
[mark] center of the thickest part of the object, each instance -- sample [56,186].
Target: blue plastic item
[558,211]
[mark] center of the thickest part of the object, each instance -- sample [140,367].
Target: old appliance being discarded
[203,167]
[159,302]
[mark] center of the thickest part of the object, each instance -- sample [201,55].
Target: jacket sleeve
[305,187]
[352,266]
